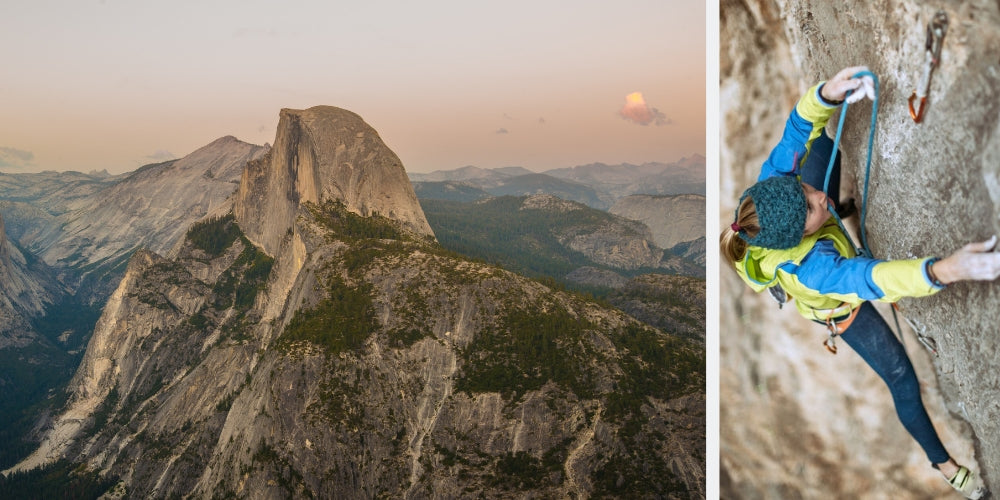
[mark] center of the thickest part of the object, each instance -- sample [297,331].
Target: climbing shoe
[968,484]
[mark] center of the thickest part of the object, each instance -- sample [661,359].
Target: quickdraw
[936,30]
[921,331]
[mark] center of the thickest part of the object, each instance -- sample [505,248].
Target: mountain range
[643,193]
[549,236]
[596,185]
[283,322]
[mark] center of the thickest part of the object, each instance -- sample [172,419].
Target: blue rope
[863,250]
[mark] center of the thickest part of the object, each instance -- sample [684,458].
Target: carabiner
[936,30]
[831,344]
[918,113]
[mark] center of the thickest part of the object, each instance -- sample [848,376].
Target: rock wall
[797,422]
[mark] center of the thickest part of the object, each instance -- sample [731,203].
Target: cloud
[161,155]
[541,120]
[637,111]
[502,131]
[15,158]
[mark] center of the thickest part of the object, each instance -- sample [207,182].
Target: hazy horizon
[540,170]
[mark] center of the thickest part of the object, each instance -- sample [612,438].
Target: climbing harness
[936,30]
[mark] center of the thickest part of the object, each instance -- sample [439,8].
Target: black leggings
[874,341]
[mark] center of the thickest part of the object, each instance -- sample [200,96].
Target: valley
[297,320]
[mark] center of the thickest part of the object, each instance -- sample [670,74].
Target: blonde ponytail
[730,244]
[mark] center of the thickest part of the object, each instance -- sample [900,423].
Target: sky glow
[115,84]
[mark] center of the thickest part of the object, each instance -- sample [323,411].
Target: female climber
[783,234]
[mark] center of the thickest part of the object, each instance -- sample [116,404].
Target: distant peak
[223,143]
[228,139]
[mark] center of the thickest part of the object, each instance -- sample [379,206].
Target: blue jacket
[823,273]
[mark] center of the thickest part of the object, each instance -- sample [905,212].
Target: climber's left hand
[835,89]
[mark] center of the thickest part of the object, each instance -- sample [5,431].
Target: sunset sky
[116,84]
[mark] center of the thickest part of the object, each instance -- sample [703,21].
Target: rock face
[152,207]
[54,192]
[26,288]
[615,241]
[37,205]
[362,360]
[305,166]
[672,219]
[12,324]
[102,220]
[782,409]
[693,250]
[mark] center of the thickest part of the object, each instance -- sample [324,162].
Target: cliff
[12,325]
[787,405]
[27,287]
[350,356]
[54,192]
[324,153]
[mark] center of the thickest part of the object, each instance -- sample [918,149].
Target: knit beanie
[781,211]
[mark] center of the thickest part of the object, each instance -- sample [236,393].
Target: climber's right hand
[836,88]
[974,261]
